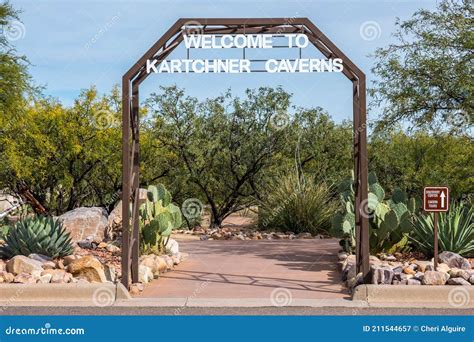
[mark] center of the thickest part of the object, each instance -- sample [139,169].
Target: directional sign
[435,198]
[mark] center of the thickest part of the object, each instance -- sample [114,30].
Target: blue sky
[75,44]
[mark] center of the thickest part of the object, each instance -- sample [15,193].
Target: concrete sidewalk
[277,270]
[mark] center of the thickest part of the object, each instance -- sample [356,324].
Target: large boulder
[22,264]
[85,223]
[115,217]
[454,260]
[88,267]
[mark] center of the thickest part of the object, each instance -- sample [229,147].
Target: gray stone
[83,223]
[342,256]
[45,278]
[40,257]
[471,279]
[391,258]
[435,278]
[454,260]
[22,264]
[419,276]
[459,273]
[304,236]
[348,270]
[458,281]
[110,273]
[422,264]
[24,278]
[413,282]
[397,270]
[145,275]
[382,275]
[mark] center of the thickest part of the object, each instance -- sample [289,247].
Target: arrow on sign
[442,196]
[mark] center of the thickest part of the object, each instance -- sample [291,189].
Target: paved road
[151,310]
[279,269]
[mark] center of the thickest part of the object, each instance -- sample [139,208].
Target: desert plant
[455,231]
[390,220]
[42,235]
[158,217]
[4,231]
[298,204]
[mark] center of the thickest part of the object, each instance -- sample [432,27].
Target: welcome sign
[236,65]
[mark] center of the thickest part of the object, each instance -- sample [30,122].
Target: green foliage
[412,161]
[64,157]
[297,204]
[390,220]
[158,218]
[455,231]
[15,81]
[425,78]
[42,235]
[4,231]
[224,145]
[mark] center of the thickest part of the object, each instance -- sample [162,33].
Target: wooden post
[436,240]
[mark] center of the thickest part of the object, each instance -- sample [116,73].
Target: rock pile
[237,233]
[452,269]
[37,268]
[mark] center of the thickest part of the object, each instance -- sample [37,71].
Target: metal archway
[132,79]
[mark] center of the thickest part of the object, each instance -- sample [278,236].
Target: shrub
[297,204]
[42,235]
[455,231]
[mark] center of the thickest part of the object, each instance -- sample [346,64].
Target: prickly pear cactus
[390,220]
[158,218]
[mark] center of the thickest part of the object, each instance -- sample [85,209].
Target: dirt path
[305,269]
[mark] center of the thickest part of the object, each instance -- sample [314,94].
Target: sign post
[435,200]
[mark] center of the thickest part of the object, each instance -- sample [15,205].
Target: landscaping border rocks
[389,271]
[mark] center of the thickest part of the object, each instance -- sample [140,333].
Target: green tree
[425,79]
[224,143]
[59,158]
[14,77]
[412,161]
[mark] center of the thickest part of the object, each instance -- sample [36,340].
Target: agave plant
[42,235]
[455,231]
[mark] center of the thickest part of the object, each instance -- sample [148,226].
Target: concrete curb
[95,292]
[461,297]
